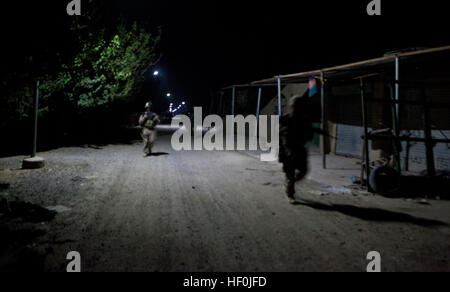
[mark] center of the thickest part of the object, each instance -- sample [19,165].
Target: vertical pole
[279,96]
[211,105]
[397,90]
[396,131]
[221,104]
[258,109]
[366,133]
[324,121]
[397,112]
[233,101]
[429,145]
[36,110]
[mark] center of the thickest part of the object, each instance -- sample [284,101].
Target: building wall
[345,116]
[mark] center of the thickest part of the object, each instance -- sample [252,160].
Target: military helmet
[148,104]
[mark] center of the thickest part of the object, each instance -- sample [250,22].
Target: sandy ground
[206,211]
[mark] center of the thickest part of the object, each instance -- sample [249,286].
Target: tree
[85,64]
[104,70]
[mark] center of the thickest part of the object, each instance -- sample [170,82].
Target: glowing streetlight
[169,94]
[156,73]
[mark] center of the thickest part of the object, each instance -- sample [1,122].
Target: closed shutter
[417,153]
[349,140]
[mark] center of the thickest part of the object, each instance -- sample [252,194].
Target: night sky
[210,44]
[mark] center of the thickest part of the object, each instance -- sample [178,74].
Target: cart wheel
[385,180]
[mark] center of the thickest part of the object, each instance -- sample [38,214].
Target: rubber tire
[385,180]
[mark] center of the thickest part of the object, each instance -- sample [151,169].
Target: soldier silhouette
[295,132]
[148,121]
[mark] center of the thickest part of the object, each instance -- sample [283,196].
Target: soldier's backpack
[150,121]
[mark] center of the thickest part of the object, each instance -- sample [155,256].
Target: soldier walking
[148,122]
[295,132]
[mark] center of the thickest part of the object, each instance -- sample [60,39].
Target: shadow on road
[15,253]
[20,226]
[27,212]
[371,214]
[157,154]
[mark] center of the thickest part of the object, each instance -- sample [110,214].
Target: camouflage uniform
[148,121]
[295,131]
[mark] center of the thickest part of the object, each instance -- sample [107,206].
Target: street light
[156,73]
[169,94]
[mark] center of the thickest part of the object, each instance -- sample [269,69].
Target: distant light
[169,94]
[183,103]
[156,73]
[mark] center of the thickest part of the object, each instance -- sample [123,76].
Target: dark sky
[210,44]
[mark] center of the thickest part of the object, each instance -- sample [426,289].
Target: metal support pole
[397,109]
[324,122]
[211,105]
[36,111]
[429,145]
[34,162]
[396,133]
[221,104]
[233,101]
[366,133]
[258,109]
[397,91]
[279,97]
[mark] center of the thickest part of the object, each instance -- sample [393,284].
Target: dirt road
[213,211]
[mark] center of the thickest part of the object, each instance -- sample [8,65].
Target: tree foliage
[87,67]
[104,69]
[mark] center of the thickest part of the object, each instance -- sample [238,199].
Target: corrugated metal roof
[361,68]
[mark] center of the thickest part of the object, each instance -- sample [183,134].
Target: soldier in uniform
[295,132]
[148,122]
